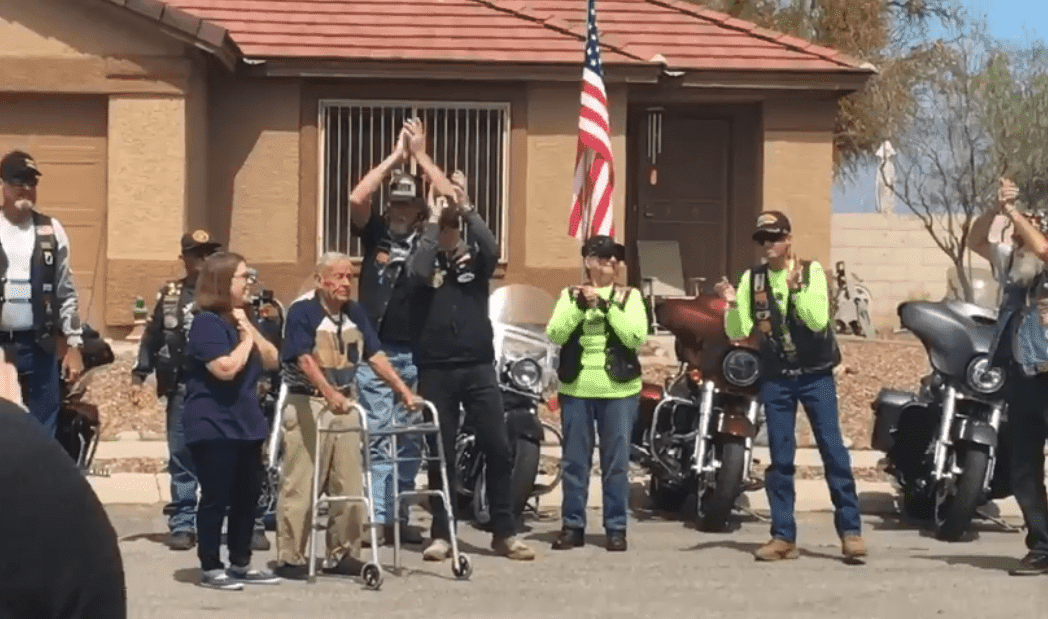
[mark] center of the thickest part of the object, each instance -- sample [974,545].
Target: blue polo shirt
[215,408]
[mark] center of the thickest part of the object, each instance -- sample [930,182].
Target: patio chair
[662,277]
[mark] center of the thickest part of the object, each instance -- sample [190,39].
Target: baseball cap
[771,223]
[403,187]
[198,239]
[603,246]
[18,167]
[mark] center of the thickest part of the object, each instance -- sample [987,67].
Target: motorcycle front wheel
[717,502]
[954,512]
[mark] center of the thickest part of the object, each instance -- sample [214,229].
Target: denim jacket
[1019,320]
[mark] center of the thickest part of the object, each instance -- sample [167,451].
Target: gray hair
[329,259]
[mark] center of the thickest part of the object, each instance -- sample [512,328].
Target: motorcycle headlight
[741,367]
[526,374]
[983,378]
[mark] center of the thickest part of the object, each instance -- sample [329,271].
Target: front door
[682,188]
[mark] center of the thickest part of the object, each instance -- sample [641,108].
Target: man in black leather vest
[785,303]
[39,308]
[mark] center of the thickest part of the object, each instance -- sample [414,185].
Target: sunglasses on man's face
[763,239]
[23,183]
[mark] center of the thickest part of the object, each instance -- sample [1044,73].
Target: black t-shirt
[385,292]
[59,556]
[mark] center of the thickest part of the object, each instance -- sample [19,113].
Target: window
[358,135]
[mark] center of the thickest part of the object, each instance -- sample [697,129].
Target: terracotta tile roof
[634,32]
[455,30]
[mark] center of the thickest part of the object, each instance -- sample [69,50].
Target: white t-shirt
[18,243]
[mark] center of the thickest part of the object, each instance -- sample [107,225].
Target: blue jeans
[384,409]
[818,393]
[183,505]
[614,422]
[38,375]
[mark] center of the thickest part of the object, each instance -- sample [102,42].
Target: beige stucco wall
[798,170]
[552,141]
[70,28]
[147,168]
[254,144]
[896,258]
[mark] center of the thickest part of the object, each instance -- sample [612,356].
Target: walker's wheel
[372,576]
[463,568]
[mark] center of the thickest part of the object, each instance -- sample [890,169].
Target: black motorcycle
[525,362]
[79,425]
[941,444]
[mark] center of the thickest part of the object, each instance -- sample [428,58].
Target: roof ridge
[797,43]
[521,9]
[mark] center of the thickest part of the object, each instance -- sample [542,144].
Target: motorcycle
[526,363]
[695,434]
[79,425]
[942,443]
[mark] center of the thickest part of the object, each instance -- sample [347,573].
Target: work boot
[438,550]
[512,548]
[181,540]
[569,538]
[777,550]
[616,541]
[854,549]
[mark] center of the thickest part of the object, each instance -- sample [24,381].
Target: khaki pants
[341,474]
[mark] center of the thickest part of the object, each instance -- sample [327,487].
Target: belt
[303,391]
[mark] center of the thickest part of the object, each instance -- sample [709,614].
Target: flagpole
[586,207]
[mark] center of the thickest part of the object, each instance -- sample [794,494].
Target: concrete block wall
[896,258]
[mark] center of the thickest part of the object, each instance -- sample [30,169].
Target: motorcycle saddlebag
[887,410]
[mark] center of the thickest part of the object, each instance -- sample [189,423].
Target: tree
[946,167]
[980,113]
[892,35]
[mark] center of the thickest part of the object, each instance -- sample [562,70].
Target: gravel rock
[110,390]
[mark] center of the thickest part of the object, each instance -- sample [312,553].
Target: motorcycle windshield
[519,314]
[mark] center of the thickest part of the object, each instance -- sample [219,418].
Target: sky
[1007,19]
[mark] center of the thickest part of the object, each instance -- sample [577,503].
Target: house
[253,118]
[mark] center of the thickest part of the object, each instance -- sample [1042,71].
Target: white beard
[24,205]
[1025,267]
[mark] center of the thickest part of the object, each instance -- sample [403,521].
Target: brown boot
[777,550]
[512,548]
[854,549]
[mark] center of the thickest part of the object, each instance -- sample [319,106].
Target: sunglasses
[769,237]
[23,183]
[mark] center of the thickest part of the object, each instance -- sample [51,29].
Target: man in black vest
[786,299]
[161,350]
[456,355]
[39,309]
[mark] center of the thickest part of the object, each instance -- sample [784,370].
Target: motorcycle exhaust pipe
[751,415]
[705,411]
[949,408]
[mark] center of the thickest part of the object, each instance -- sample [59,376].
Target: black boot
[569,538]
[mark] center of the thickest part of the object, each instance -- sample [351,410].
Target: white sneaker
[438,550]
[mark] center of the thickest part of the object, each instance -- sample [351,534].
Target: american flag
[591,212]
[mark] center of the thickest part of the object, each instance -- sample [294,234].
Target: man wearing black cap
[39,309]
[455,355]
[385,292]
[161,350]
[786,299]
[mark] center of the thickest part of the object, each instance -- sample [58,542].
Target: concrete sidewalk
[812,494]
